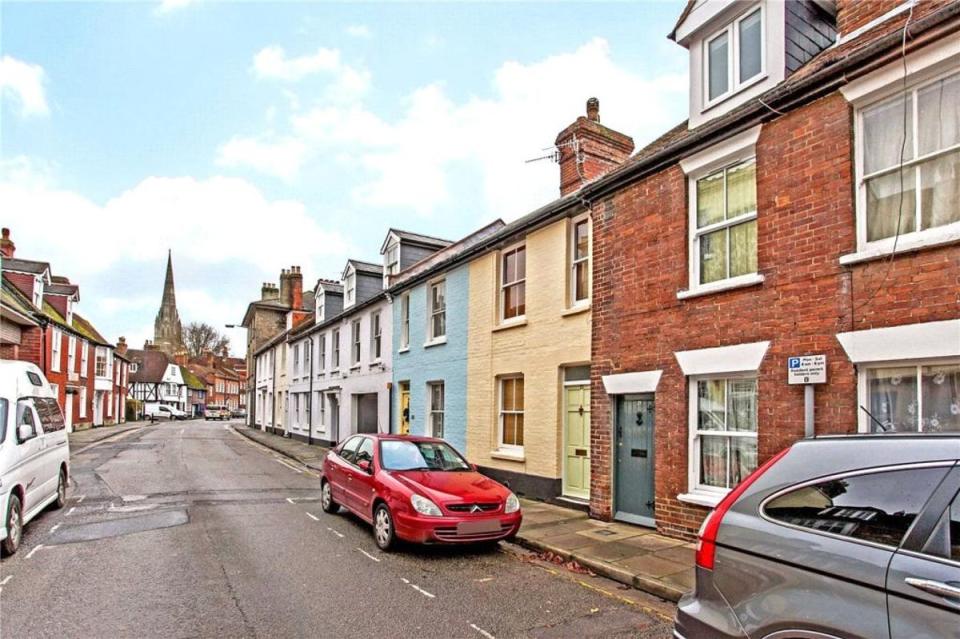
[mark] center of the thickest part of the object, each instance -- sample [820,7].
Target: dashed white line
[290,500]
[340,535]
[313,517]
[482,631]
[5,580]
[52,530]
[70,512]
[80,499]
[36,548]
[368,555]
[417,588]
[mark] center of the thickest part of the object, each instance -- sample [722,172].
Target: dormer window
[320,307]
[734,57]
[38,292]
[393,259]
[350,289]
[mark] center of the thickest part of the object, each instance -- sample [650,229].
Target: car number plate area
[476,527]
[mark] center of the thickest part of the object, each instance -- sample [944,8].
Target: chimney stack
[284,286]
[269,292]
[7,247]
[122,345]
[588,150]
[295,283]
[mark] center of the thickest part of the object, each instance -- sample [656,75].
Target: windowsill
[905,244]
[355,367]
[699,498]
[732,93]
[511,323]
[405,349]
[508,455]
[436,342]
[576,309]
[730,284]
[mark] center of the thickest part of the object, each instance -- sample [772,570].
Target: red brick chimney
[7,247]
[295,283]
[122,346]
[588,150]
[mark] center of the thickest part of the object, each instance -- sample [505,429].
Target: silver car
[849,536]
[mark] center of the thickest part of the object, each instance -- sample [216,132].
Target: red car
[417,489]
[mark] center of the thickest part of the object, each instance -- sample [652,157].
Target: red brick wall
[853,14]
[805,223]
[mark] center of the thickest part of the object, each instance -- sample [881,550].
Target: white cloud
[23,83]
[347,84]
[359,31]
[280,158]
[167,6]
[410,160]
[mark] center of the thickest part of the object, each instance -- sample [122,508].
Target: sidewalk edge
[276,449]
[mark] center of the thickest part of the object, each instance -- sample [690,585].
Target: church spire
[167,331]
[169,296]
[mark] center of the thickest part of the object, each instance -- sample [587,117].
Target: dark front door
[634,457]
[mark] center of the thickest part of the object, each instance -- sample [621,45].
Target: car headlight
[512,504]
[424,506]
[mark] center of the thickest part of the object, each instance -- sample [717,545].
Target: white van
[162,411]
[34,449]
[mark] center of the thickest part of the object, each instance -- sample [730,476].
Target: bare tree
[199,337]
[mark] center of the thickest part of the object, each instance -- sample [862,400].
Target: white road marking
[36,548]
[80,499]
[484,579]
[340,535]
[70,512]
[291,467]
[482,631]
[5,580]
[404,580]
[422,591]
[52,530]
[313,517]
[368,555]
[290,500]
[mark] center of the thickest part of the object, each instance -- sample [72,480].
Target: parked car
[216,411]
[849,536]
[162,411]
[417,489]
[34,449]
[238,413]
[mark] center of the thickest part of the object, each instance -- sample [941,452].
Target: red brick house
[224,384]
[42,326]
[781,220]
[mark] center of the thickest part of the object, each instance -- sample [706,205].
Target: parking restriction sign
[807,369]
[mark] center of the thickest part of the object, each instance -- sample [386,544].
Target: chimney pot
[7,247]
[593,110]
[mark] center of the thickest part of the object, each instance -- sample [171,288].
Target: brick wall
[805,196]
[853,14]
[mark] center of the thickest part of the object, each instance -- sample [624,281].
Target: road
[187,529]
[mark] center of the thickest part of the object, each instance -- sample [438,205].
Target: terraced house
[810,205]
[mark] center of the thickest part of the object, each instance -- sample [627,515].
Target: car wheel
[326,499]
[383,532]
[14,526]
[61,491]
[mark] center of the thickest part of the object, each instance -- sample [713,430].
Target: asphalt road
[187,529]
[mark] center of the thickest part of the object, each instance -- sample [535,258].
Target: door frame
[563,403]
[403,390]
[631,518]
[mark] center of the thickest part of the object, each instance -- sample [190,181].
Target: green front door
[576,467]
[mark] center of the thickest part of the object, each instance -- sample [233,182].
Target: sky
[249,137]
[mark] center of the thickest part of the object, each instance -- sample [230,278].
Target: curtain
[710,199]
[743,248]
[886,205]
[892,395]
[941,398]
[940,191]
[883,134]
[741,189]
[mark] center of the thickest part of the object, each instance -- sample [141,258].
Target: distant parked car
[854,536]
[34,449]
[418,489]
[216,411]
[162,411]
[238,413]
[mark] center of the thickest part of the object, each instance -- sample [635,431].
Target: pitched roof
[13,302]
[330,287]
[365,267]
[151,365]
[25,266]
[415,238]
[58,288]
[191,380]
[683,16]
[85,328]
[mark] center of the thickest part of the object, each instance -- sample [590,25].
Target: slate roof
[415,238]
[25,266]
[58,288]
[330,287]
[151,366]
[366,267]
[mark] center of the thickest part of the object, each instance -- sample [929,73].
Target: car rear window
[876,507]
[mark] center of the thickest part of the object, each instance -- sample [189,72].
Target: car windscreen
[4,407]
[407,455]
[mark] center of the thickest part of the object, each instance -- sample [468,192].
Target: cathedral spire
[167,331]
[169,296]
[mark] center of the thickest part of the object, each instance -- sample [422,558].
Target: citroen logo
[475,508]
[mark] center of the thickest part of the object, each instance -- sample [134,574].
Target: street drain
[118,527]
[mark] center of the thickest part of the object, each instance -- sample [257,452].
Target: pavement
[81,438]
[632,555]
[185,529]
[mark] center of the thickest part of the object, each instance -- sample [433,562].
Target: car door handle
[934,587]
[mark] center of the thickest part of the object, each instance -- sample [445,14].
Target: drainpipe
[310,397]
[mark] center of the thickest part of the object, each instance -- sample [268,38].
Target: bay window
[913,398]
[725,223]
[437,328]
[513,274]
[909,165]
[723,427]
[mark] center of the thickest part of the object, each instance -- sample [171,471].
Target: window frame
[919,235]
[71,353]
[335,355]
[350,289]
[501,445]
[433,312]
[432,411]
[694,486]
[734,83]
[745,154]
[864,422]
[82,398]
[376,337]
[321,353]
[404,322]
[56,348]
[501,274]
[356,341]
[85,358]
[573,302]
[395,263]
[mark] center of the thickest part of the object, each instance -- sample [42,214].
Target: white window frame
[319,307]
[356,343]
[296,361]
[501,446]
[694,234]
[82,411]
[405,322]
[72,354]
[85,357]
[501,273]
[393,267]
[864,421]
[335,355]
[710,495]
[433,312]
[350,289]
[917,238]
[307,347]
[321,400]
[376,337]
[574,261]
[734,83]
[321,353]
[433,411]
[56,344]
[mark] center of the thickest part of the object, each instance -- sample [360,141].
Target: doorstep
[633,555]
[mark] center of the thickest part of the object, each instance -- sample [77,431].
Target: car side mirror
[474,467]
[365,466]
[26,432]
